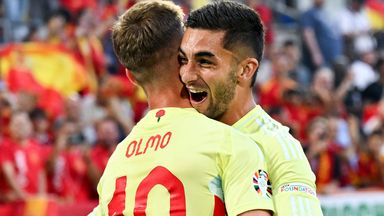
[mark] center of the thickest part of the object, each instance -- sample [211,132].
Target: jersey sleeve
[294,189]
[297,199]
[245,178]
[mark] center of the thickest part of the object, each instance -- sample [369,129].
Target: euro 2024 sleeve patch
[262,184]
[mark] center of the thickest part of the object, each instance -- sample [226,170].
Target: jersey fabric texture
[179,162]
[293,182]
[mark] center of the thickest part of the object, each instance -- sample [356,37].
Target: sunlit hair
[145,35]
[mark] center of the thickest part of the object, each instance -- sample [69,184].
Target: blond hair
[145,35]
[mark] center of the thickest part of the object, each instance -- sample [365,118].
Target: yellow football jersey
[293,182]
[178,162]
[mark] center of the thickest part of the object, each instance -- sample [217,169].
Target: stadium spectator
[362,68]
[322,90]
[108,137]
[369,172]
[354,23]
[41,126]
[297,71]
[88,47]
[374,91]
[22,161]
[66,167]
[271,92]
[5,115]
[56,30]
[73,112]
[325,162]
[321,40]
[16,13]
[295,112]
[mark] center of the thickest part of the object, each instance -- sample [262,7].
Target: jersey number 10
[159,175]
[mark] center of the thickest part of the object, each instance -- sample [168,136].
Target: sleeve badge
[262,184]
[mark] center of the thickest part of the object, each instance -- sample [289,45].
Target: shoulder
[237,141]
[274,138]
[227,136]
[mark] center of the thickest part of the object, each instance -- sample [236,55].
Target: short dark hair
[242,25]
[144,34]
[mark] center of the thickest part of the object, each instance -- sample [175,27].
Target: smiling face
[208,71]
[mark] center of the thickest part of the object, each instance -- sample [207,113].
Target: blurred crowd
[325,82]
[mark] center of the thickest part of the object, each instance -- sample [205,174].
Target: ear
[248,69]
[130,77]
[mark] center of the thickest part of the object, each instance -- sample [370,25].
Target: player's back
[180,162]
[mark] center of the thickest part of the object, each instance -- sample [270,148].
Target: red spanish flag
[48,71]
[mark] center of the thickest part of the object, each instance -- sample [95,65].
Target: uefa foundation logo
[262,184]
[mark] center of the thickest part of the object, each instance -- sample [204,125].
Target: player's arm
[292,203]
[296,196]
[243,196]
[295,191]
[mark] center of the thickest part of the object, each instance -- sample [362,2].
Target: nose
[188,73]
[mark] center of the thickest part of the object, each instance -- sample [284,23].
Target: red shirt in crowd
[368,171]
[327,167]
[69,178]
[26,161]
[100,156]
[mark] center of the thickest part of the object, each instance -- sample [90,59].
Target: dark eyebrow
[199,54]
[204,54]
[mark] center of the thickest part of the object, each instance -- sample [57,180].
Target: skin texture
[209,61]
[224,75]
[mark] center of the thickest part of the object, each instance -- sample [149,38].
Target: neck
[167,94]
[242,104]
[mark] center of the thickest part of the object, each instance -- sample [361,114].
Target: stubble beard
[223,96]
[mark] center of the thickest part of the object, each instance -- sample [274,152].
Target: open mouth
[197,96]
